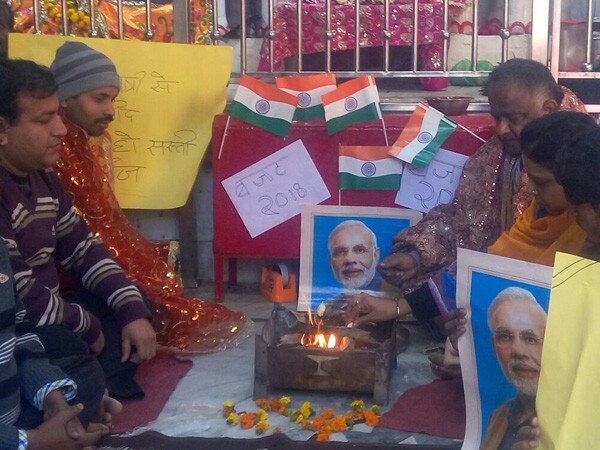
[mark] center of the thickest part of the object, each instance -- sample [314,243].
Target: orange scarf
[538,239]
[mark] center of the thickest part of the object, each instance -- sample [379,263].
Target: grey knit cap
[79,68]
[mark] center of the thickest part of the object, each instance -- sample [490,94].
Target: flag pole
[387,144]
[339,197]
[224,136]
[470,132]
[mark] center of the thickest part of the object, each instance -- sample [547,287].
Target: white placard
[424,188]
[272,190]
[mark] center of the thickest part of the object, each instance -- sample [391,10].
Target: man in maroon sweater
[43,231]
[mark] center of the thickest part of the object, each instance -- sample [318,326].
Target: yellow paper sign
[569,391]
[169,96]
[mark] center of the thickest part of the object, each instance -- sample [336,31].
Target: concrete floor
[193,408]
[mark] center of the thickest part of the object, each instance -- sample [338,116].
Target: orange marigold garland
[182,323]
[324,424]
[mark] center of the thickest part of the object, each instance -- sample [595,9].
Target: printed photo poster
[340,248]
[500,354]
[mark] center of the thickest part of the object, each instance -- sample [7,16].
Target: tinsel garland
[182,323]
[134,19]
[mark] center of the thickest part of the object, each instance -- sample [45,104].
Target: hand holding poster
[506,302]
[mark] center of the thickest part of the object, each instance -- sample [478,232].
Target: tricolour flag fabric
[354,101]
[424,134]
[308,89]
[369,167]
[263,105]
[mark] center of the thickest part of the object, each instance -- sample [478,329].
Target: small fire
[320,339]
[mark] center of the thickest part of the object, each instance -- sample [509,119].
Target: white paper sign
[424,188]
[272,190]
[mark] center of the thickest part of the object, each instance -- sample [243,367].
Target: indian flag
[424,134]
[263,105]
[308,89]
[369,167]
[354,101]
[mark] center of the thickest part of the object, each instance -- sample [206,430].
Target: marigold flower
[371,418]
[338,423]
[359,414]
[277,430]
[233,419]
[376,409]
[228,408]
[247,420]
[261,402]
[357,404]
[293,414]
[261,414]
[323,436]
[262,426]
[285,401]
[328,413]
[273,404]
[318,423]
[306,410]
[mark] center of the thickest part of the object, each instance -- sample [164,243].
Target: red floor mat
[437,409]
[158,379]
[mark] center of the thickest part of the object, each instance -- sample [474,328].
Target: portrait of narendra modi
[506,302]
[341,247]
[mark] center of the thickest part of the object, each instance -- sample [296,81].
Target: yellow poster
[163,114]
[569,391]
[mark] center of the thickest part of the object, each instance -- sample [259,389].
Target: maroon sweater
[42,230]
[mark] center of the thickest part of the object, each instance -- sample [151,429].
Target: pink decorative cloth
[430,24]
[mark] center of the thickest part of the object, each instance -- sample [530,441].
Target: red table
[246,145]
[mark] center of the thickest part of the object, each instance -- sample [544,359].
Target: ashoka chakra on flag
[368,169]
[424,137]
[350,104]
[262,106]
[304,99]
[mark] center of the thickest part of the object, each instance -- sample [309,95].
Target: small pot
[450,105]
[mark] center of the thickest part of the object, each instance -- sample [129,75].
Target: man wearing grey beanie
[88,83]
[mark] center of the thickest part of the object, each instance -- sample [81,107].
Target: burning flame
[319,339]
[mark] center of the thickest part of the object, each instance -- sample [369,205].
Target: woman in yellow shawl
[549,224]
